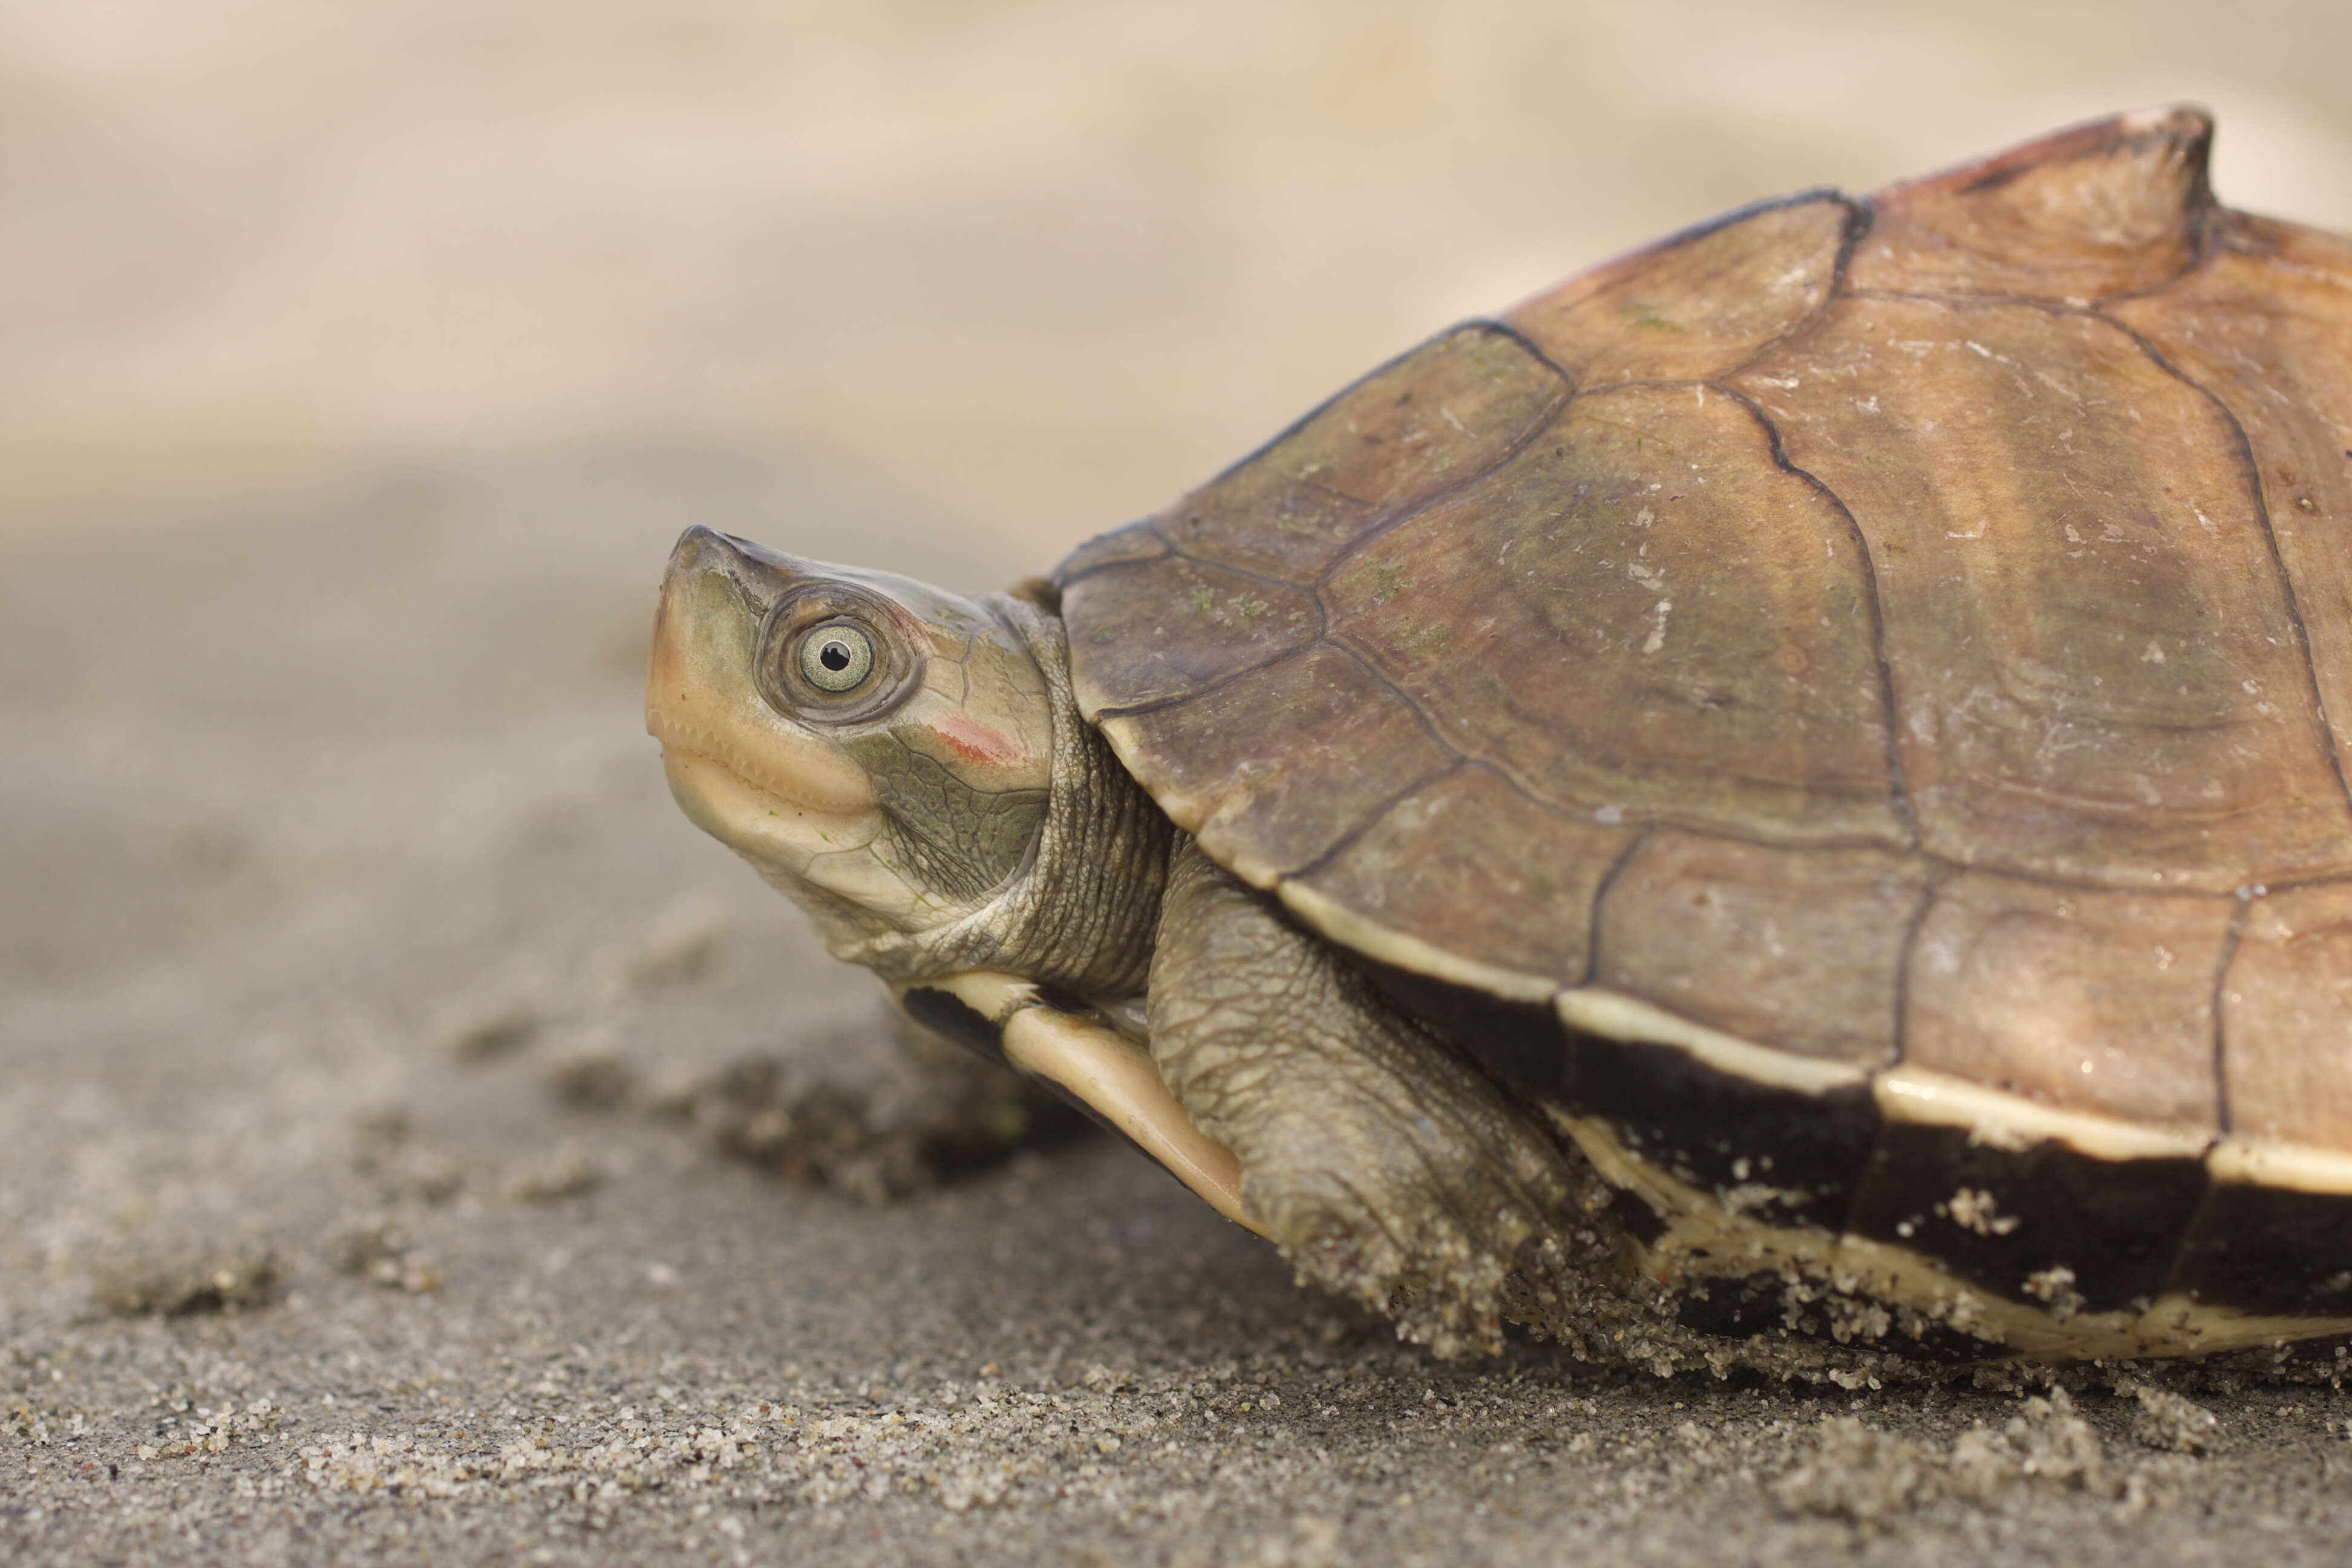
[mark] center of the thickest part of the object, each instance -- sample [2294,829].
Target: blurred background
[359,361]
[358,364]
[1011,271]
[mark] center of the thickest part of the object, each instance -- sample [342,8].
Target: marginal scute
[1474,869]
[1696,305]
[2087,1000]
[2097,669]
[1157,629]
[2266,327]
[1641,617]
[1349,746]
[2102,209]
[2286,1019]
[1797,949]
[1121,546]
[1443,414]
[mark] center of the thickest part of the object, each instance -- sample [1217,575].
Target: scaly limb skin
[1384,1168]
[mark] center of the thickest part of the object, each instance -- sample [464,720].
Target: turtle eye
[832,653]
[836,657]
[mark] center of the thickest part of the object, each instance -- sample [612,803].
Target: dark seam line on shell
[1347,840]
[2253,472]
[2200,252]
[1512,783]
[1859,217]
[1335,493]
[1889,713]
[1578,811]
[1603,388]
[1668,823]
[2093,312]
[1866,210]
[1382,529]
[2220,1097]
[1157,704]
[1671,821]
[1394,689]
[1911,929]
[1944,864]
[1305,590]
[1535,351]
[2220,1029]
[1530,794]
[1100,567]
[2078,885]
[1083,572]
[1476,324]
[1149,525]
[1500,771]
[1706,828]
[1255,575]
[1715,224]
[1296,426]
[1599,896]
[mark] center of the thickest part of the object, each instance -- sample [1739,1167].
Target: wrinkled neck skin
[1080,910]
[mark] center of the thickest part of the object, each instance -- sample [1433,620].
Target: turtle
[1791,789]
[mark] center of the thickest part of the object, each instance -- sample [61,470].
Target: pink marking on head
[976,743]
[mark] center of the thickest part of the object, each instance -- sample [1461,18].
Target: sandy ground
[358,979]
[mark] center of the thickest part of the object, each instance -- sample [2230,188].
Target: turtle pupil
[836,659]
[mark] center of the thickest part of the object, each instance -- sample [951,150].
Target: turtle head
[879,750]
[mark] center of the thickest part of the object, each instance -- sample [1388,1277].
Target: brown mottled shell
[1911,632]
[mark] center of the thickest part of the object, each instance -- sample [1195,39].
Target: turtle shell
[1846,705]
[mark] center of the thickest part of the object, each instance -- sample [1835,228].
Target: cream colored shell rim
[1994,1117]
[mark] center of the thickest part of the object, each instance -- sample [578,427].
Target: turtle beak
[760,576]
[702,702]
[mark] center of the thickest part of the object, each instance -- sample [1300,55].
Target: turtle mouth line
[692,793]
[834,790]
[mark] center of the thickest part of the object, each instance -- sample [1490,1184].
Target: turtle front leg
[1384,1167]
